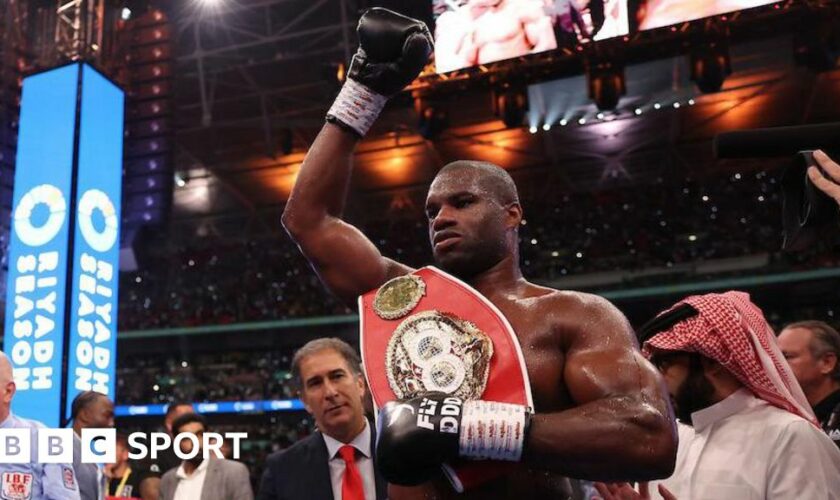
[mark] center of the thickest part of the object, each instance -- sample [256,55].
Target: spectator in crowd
[34,478]
[812,348]
[749,431]
[150,470]
[90,410]
[338,461]
[199,478]
[122,480]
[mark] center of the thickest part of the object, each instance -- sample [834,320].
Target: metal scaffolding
[79,29]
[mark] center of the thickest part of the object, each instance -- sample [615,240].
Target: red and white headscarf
[732,330]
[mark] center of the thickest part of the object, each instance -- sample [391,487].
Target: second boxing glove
[417,436]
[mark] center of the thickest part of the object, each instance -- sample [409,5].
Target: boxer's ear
[514,215]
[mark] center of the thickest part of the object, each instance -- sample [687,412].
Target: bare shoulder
[571,301]
[583,316]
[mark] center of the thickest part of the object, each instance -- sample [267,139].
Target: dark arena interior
[608,131]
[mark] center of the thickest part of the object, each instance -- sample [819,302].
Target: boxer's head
[329,374]
[694,381]
[474,216]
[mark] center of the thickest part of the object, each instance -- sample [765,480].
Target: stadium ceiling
[257,76]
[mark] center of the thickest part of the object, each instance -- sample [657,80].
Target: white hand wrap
[492,430]
[357,106]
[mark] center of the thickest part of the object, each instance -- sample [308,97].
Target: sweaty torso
[498,35]
[542,336]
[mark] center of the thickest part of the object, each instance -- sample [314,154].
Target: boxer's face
[468,227]
[332,393]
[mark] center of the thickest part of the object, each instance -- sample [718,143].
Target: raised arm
[622,428]
[392,51]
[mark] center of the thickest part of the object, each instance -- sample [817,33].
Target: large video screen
[473,32]
[658,13]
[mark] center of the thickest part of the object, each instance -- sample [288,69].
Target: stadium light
[564,122]
[125,14]
[638,111]
[546,126]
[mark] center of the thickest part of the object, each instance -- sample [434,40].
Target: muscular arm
[622,428]
[345,260]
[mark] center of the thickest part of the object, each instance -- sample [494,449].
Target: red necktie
[351,484]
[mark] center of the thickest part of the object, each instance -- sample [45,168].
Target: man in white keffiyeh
[748,431]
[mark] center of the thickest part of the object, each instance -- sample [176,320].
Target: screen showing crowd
[473,32]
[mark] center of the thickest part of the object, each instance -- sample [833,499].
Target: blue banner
[96,248]
[35,301]
[215,407]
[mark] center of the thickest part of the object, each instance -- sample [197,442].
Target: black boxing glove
[417,436]
[393,49]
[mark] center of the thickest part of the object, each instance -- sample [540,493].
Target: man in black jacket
[337,462]
[812,349]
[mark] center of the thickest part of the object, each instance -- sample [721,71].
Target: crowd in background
[215,376]
[217,280]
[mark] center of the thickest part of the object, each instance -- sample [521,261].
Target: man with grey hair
[336,461]
[33,479]
[812,349]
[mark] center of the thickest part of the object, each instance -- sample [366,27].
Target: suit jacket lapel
[212,481]
[319,462]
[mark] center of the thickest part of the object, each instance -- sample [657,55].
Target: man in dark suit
[337,462]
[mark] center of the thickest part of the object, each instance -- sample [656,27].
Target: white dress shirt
[189,487]
[744,448]
[364,462]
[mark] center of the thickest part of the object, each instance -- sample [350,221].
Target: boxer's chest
[543,355]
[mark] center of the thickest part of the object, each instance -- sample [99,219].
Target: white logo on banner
[44,194]
[91,200]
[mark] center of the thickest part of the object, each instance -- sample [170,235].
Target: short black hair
[493,177]
[187,418]
[82,401]
[170,408]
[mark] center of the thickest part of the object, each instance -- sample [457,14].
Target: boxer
[485,31]
[600,409]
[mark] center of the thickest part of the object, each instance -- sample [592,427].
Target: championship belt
[430,332]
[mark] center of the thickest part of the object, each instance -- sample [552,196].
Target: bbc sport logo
[99,446]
